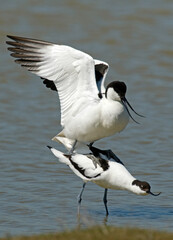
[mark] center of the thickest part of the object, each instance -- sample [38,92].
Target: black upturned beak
[126,104]
[153,194]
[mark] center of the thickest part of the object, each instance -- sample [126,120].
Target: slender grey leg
[80,198]
[73,147]
[105,201]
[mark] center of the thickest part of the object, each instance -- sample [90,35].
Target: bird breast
[114,116]
[97,121]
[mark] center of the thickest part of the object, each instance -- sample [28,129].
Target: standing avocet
[105,169]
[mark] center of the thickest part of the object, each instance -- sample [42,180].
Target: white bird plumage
[103,168]
[87,114]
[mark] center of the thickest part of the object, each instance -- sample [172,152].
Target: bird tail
[60,155]
[67,142]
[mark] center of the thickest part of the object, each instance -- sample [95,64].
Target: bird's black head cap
[119,87]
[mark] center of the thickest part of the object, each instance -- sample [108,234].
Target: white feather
[85,116]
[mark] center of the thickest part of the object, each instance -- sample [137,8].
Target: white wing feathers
[82,165]
[71,70]
[77,76]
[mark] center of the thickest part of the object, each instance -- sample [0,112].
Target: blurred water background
[135,37]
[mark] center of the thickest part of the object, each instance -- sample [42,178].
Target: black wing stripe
[79,169]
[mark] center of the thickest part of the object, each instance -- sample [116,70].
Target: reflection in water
[86,221]
[105,220]
[37,194]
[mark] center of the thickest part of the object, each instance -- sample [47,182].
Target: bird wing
[71,70]
[101,70]
[105,155]
[86,166]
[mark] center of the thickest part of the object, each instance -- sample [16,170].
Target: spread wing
[71,71]
[101,69]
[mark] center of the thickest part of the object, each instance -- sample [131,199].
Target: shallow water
[37,194]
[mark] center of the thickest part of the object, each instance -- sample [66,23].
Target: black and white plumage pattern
[109,174]
[61,67]
[100,70]
[89,112]
[104,154]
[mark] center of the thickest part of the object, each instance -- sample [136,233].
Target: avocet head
[142,188]
[116,91]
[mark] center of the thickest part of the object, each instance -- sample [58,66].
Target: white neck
[112,95]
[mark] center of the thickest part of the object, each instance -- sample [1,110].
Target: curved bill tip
[126,103]
[154,194]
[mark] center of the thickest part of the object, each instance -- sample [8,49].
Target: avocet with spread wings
[89,112]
